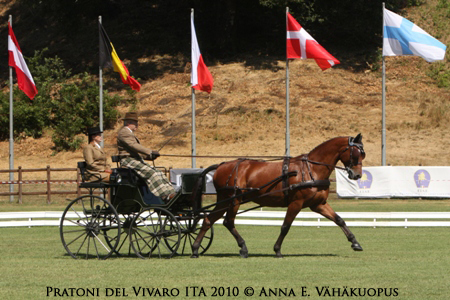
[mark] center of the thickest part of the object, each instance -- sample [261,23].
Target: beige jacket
[96,163]
[128,144]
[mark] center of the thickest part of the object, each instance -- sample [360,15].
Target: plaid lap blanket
[157,182]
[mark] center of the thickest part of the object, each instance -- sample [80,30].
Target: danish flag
[201,78]
[16,60]
[299,44]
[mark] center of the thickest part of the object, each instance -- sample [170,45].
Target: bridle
[350,146]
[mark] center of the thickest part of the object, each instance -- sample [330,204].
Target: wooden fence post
[20,184]
[49,192]
[78,183]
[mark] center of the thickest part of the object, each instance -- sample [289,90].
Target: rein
[225,156]
[323,164]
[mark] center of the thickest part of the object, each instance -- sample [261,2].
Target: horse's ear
[358,139]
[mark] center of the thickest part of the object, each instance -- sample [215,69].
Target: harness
[285,174]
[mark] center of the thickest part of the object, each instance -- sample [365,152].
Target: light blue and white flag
[402,37]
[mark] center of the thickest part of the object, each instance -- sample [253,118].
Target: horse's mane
[338,137]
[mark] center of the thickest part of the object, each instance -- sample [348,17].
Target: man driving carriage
[132,155]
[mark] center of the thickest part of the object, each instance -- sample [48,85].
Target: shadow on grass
[268,255]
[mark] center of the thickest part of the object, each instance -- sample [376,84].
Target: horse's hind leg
[326,211]
[229,224]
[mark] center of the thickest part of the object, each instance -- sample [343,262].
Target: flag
[201,78]
[110,59]
[16,60]
[299,44]
[402,37]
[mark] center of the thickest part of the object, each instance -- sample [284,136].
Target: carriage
[135,220]
[123,217]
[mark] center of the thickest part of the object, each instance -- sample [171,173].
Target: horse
[296,183]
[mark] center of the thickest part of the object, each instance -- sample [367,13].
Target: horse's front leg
[229,224]
[292,211]
[326,211]
[208,222]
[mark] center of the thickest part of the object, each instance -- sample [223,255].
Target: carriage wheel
[124,245]
[89,228]
[155,233]
[190,229]
[127,215]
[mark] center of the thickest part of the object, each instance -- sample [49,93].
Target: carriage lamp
[115,177]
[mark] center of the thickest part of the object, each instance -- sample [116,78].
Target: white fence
[269,218]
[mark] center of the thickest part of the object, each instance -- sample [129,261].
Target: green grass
[413,260]
[60,203]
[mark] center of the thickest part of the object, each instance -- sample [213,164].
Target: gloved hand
[154,155]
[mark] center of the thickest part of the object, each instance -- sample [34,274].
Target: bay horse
[295,183]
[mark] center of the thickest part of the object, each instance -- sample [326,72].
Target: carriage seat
[129,177]
[89,184]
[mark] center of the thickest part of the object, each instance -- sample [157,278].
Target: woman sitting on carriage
[97,168]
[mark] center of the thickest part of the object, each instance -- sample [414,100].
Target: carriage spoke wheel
[127,209]
[124,246]
[90,228]
[190,229]
[155,233]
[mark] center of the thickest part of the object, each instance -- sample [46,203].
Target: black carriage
[125,218]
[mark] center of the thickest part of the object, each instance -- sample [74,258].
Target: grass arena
[400,263]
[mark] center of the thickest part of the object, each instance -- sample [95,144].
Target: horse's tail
[197,191]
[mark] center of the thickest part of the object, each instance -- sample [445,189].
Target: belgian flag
[110,59]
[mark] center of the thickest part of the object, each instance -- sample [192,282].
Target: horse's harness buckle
[285,177]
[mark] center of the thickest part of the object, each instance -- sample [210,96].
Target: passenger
[130,151]
[97,168]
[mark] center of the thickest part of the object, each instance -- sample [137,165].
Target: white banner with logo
[175,178]
[386,182]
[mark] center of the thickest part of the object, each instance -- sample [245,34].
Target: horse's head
[352,157]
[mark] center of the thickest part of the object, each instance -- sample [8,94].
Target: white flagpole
[100,79]
[11,129]
[383,107]
[193,152]
[287,152]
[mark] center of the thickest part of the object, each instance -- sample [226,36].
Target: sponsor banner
[175,178]
[398,182]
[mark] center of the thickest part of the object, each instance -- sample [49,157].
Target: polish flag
[201,78]
[16,60]
[299,44]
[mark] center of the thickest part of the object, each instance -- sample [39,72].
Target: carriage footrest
[93,185]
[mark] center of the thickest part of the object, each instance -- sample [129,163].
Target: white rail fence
[268,218]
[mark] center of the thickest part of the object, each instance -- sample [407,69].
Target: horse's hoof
[194,256]
[357,247]
[278,255]
[243,254]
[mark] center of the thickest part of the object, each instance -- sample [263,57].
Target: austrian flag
[16,60]
[299,44]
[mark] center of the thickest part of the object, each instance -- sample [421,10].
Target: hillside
[245,113]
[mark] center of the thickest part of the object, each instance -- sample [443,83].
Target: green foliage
[78,109]
[29,119]
[441,73]
[66,103]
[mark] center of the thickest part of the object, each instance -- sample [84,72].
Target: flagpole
[287,152]
[11,128]
[100,79]
[383,106]
[193,152]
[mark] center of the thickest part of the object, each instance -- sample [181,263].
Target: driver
[132,155]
